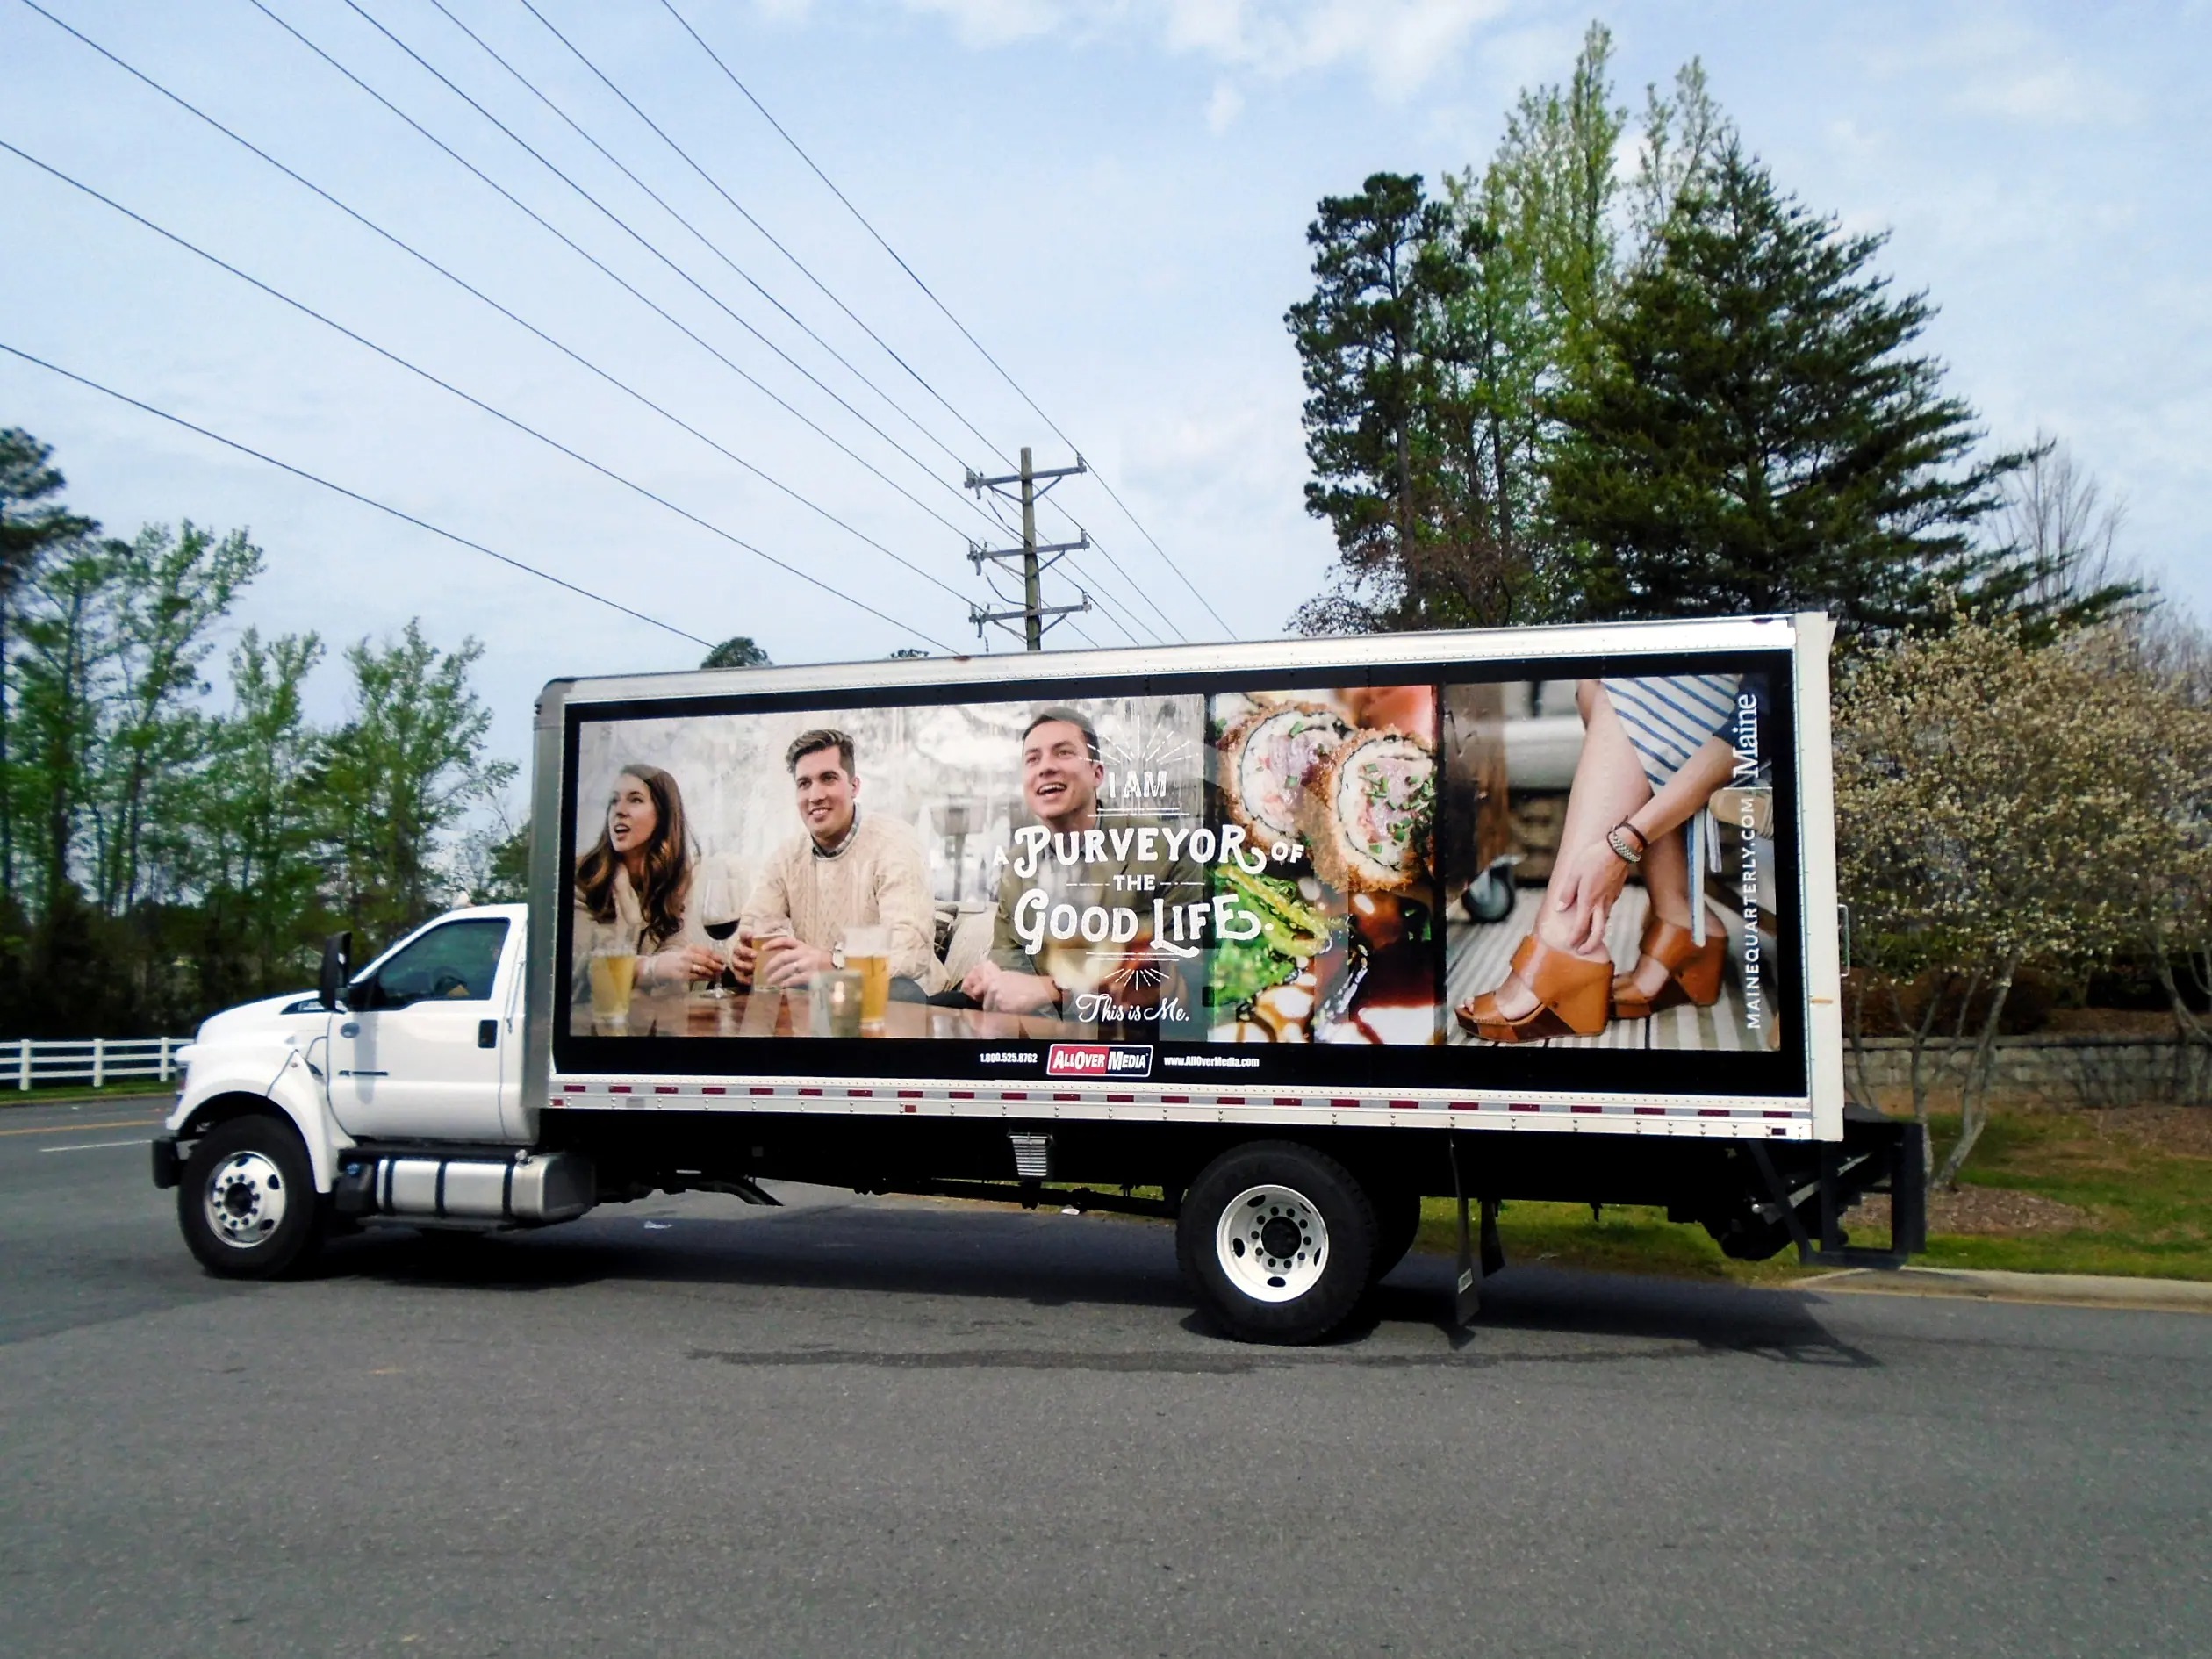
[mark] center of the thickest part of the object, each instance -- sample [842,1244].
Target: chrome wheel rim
[245,1199]
[1272,1243]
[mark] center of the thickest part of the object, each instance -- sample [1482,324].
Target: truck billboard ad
[1550,875]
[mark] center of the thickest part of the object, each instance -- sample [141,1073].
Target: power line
[644,242]
[716,184]
[604,269]
[446,385]
[667,207]
[916,278]
[739,208]
[469,288]
[351,495]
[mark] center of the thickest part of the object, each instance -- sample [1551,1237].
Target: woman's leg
[1609,785]
[1669,881]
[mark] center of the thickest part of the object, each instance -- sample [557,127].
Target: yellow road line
[79,1128]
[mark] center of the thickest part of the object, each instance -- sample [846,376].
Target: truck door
[420,1048]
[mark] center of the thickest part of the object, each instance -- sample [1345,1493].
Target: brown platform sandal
[1693,970]
[1573,995]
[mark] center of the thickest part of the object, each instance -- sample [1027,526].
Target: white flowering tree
[1998,805]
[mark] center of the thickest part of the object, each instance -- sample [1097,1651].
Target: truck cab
[294,1115]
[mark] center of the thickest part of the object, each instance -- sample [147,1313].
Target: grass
[133,1089]
[2149,1212]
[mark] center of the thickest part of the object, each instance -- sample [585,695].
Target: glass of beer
[867,952]
[613,975]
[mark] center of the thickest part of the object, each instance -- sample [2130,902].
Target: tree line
[1620,373]
[168,848]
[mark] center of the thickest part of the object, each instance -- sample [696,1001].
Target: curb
[2071,1289]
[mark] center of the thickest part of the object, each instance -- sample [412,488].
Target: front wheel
[1275,1240]
[248,1203]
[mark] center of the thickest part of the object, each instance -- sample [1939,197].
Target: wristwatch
[837,954]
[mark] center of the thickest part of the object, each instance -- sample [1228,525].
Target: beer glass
[613,975]
[867,952]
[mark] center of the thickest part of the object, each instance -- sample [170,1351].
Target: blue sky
[1112,197]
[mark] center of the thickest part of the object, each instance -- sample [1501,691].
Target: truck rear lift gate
[1847,1172]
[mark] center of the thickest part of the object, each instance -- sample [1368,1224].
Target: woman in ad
[1653,752]
[633,886]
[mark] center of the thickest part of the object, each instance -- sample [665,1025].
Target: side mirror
[337,968]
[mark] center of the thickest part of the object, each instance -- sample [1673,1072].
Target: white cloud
[1400,45]
[1223,108]
[1999,66]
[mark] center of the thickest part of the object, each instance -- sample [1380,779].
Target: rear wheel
[248,1203]
[1275,1240]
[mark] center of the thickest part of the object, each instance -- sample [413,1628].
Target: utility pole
[1036,617]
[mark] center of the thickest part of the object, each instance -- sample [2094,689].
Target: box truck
[1271,939]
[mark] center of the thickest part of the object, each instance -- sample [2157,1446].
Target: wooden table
[665,1013]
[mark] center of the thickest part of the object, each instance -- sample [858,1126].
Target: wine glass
[719,903]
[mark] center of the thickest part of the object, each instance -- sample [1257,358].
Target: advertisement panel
[1556,876]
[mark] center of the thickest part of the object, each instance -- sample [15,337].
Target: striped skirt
[1669,717]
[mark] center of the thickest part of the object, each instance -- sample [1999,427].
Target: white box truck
[1271,939]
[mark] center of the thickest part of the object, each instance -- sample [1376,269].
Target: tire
[1398,1223]
[248,1203]
[1274,1240]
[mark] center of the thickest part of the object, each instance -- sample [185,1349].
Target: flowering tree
[1999,804]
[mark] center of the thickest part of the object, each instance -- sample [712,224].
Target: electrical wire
[351,495]
[446,385]
[697,236]
[716,184]
[643,241]
[469,288]
[782,403]
[611,274]
[914,275]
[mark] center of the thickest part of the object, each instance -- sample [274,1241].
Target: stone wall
[2049,1069]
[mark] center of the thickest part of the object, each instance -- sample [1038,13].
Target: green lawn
[2148,1196]
[135,1088]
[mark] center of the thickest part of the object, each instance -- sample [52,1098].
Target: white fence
[28,1062]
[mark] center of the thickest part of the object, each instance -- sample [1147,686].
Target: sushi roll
[1369,816]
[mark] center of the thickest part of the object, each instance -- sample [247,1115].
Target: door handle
[487,1033]
[364,1074]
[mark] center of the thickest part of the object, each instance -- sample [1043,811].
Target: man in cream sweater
[845,871]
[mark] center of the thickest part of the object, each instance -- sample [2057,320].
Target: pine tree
[1759,434]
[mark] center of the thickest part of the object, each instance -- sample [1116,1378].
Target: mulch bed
[1976,1209]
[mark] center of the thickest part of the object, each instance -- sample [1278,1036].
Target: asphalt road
[867,1427]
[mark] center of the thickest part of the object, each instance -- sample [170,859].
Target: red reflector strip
[1229,1100]
[909,1094]
[713,1089]
[618,1088]
[1781,1114]
[1586,1109]
[1523,1106]
[1175,1100]
[573,1088]
[666,1089]
[1013,1094]
[810,1091]
[1651,1111]
[1123,1099]
[960,1094]
[1713,1111]
[1067,1097]
[859,1093]
[909,1107]
[762,1088]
